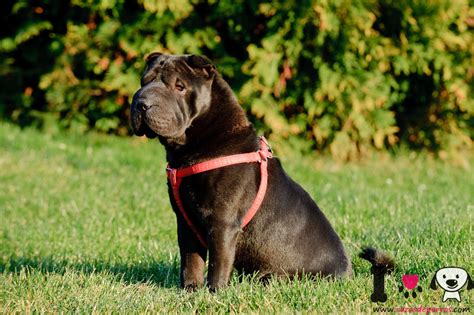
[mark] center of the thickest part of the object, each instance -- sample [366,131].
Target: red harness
[261,156]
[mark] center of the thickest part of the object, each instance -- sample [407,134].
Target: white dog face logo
[451,280]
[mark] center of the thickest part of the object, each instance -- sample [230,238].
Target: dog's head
[174,91]
[451,279]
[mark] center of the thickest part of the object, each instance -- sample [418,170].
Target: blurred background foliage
[340,76]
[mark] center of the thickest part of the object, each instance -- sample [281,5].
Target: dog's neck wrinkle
[223,130]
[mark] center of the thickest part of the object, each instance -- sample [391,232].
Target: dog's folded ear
[470,284]
[433,285]
[203,64]
[149,58]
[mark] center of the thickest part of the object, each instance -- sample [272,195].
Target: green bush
[342,76]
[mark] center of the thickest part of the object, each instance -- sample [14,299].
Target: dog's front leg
[193,257]
[222,244]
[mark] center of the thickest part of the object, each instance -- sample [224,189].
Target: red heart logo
[410,281]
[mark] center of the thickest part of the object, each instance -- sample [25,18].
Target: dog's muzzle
[137,116]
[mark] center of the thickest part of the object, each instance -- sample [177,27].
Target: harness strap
[261,156]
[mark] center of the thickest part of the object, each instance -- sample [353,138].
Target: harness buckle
[269,147]
[264,155]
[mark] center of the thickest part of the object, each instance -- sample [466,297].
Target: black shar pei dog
[229,195]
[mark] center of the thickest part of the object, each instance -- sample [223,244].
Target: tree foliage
[343,76]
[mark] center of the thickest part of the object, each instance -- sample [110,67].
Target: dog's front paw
[191,287]
[216,285]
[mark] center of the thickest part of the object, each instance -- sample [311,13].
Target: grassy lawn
[86,226]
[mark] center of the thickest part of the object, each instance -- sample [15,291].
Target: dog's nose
[451,282]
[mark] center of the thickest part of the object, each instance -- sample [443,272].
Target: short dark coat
[288,235]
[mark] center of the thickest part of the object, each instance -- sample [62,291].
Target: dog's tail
[378,259]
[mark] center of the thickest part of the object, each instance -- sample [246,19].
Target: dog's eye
[148,79]
[179,85]
[457,276]
[444,276]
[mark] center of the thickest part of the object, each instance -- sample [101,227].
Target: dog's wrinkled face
[451,279]
[174,91]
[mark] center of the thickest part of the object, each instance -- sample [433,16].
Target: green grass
[86,226]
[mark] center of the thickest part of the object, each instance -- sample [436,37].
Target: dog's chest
[220,195]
